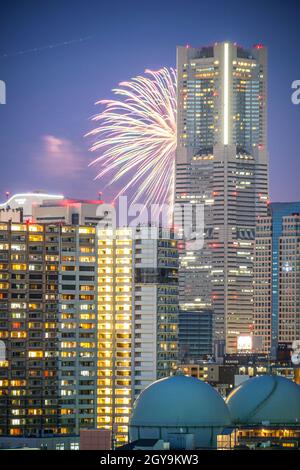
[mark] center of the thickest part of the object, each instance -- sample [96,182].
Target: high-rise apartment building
[155,322]
[115,314]
[77,328]
[221,163]
[29,291]
[89,318]
[277,277]
[137,319]
[48,323]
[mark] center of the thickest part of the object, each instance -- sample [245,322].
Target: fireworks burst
[136,136]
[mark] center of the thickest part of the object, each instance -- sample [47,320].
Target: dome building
[266,409]
[184,411]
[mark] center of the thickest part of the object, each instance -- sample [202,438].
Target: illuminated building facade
[137,315]
[88,320]
[48,323]
[156,319]
[77,328]
[29,292]
[277,277]
[115,306]
[221,163]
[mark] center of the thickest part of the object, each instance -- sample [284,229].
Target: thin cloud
[59,157]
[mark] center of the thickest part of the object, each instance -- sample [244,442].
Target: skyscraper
[221,163]
[277,277]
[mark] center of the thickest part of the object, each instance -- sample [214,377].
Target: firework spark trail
[136,136]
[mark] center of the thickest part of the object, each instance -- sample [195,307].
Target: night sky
[51,91]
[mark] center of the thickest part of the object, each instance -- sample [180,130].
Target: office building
[221,164]
[277,278]
[195,335]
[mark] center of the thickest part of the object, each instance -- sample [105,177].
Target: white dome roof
[268,398]
[180,401]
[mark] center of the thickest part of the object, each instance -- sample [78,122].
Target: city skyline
[149,227]
[59,75]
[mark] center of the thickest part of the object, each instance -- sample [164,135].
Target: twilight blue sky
[51,91]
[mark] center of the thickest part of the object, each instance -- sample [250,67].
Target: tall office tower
[137,320]
[277,277]
[48,380]
[221,163]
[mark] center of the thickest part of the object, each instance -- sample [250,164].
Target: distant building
[236,368]
[26,201]
[277,277]
[195,335]
[46,208]
[71,212]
